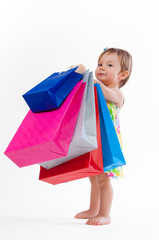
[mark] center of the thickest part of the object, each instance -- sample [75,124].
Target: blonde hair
[125,61]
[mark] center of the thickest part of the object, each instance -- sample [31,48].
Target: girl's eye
[109,65]
[99,64]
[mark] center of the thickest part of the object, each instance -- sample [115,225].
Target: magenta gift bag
[47,135]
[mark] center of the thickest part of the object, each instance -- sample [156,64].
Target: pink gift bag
[45,136]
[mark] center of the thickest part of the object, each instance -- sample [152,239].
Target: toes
[88,222]
[91,222]
[98,221]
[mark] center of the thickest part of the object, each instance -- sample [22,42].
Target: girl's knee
[102,179]
[93,179]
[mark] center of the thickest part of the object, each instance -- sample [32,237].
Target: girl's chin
[102,77]
[101,80]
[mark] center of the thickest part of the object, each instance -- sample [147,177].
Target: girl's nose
[103,67]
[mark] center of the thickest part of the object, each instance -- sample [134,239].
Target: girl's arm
[112,94]
[81,69]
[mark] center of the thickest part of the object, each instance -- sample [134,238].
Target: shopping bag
[111,149]
[85,165]
[47,135]
[50,93]
[84,138]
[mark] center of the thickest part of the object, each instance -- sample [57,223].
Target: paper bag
[86,165]
[111,149]
[50,93]
[47,135]
[84,138]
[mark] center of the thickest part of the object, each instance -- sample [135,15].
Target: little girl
[112,73]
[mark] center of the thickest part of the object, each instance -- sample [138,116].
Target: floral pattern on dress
[115,173]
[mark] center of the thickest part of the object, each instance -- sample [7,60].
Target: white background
[39,37]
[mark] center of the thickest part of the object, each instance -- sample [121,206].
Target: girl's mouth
[101,74]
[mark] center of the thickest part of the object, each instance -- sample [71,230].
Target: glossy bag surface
[85,165]
[84,138]
[47,135]
[111,149]
[51,92]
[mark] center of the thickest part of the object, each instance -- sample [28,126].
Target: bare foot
[86,214]
[99,220]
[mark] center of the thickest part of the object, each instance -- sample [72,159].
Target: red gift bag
[85,165]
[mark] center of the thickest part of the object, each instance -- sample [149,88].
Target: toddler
[112,73]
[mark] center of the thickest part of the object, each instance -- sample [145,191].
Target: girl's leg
[94,201]
[106,197]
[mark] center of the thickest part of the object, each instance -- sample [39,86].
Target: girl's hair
[125,61]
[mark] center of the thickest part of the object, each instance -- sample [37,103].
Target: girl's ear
[123,74]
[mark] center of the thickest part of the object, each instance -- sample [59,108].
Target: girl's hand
[81,69]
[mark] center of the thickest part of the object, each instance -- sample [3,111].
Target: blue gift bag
[111,149]
[50,93]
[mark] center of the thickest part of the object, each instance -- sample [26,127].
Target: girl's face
[108,70]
